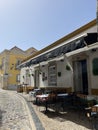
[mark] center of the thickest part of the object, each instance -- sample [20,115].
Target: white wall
[23,73]
[32,76]
[66,78]
[93,78]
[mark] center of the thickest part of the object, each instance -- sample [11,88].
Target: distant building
[9,59]
[30,51]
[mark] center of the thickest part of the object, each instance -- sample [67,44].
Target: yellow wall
[1,56]
[9,72]
[11,59]
[12,69]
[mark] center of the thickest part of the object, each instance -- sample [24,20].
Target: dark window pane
[95,66]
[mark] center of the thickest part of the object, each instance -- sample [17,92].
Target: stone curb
[36,121]
[29,113]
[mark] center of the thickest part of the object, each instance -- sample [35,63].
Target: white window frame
[52,74]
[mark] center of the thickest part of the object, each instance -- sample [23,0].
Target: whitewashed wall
[32,76]
[65,80]
[93,78]
[23,74]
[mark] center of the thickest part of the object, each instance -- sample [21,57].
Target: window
[52,75]
[95,66]
[18,61]
[18,77]
[28,77]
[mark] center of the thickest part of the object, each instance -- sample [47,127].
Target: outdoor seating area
[57,102]
[64,100]
[24,88]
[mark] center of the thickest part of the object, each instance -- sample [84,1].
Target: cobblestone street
[14,114]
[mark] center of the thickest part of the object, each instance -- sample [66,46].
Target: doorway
[36,79]
[80,76]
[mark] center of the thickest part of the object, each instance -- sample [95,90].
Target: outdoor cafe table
[62,94]
[44,98]
[63,99]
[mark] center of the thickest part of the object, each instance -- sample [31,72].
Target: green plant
[67,67]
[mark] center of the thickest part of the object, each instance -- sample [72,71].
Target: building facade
[9,74]
[71,63]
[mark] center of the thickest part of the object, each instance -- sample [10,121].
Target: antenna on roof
[97,20]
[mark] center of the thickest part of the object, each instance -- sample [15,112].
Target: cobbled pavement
[13,112]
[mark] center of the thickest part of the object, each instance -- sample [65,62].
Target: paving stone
[13,113]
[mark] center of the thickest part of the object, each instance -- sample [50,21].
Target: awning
[70,47]
[90,47]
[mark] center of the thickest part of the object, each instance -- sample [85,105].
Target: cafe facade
[69,64]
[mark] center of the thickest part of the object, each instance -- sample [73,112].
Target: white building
[71,63]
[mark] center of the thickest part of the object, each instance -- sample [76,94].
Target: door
[84,76]
[36,79]
[80,76]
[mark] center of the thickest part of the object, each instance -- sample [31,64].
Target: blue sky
[39,23]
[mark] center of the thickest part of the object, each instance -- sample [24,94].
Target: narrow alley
[14,114]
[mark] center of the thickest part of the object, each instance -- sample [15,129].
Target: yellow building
[9,59]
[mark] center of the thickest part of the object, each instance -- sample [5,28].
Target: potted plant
[68,67]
